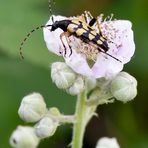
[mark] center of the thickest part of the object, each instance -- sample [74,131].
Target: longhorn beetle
[80,29]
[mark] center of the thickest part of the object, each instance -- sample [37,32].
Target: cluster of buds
[33,109]
[123,87]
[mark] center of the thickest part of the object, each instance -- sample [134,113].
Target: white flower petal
[79,64]
[52,39]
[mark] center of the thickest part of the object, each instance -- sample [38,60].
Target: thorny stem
[79,126]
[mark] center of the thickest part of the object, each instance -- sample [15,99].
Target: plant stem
[79,126]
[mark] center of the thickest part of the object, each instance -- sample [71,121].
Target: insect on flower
[84,31]
[80,28]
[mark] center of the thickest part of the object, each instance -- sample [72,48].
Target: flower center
[89,51]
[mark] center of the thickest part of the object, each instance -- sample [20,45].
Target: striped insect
[80,28]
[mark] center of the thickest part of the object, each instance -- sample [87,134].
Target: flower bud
[24,137]
[106,142]
[124,87]
[62,75]
[46,127]
[91,83]
[54,112]
[32,108]
[77,86]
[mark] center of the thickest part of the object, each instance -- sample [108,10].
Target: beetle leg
[66,34]
[85,16]
[88,16]
[69,46]
[98,25]
[92,20]
[82,18]
[61,35]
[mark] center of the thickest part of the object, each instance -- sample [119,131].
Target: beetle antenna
[110,55]
[51,3]
[28,35]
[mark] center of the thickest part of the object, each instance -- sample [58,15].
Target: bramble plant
[84,72]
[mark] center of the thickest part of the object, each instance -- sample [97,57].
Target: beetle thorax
[60,24]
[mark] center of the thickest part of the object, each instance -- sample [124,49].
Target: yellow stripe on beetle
[80,31]
[71,27]
[76,22]
[99,42]
[93,32]
[90,36]
[85,26]
[102,39]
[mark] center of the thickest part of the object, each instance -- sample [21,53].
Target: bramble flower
[120,40]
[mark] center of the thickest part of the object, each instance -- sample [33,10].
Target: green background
[128,122]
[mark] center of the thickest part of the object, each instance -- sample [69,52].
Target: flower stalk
[79,126]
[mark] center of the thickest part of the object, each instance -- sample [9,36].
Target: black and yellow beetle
[80,29]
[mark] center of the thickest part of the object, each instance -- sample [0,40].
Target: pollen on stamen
[90,52]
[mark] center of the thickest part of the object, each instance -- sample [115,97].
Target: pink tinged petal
[121,34]
[106,67]
[128,47]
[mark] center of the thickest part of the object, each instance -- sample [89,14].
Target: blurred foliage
[128,122]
